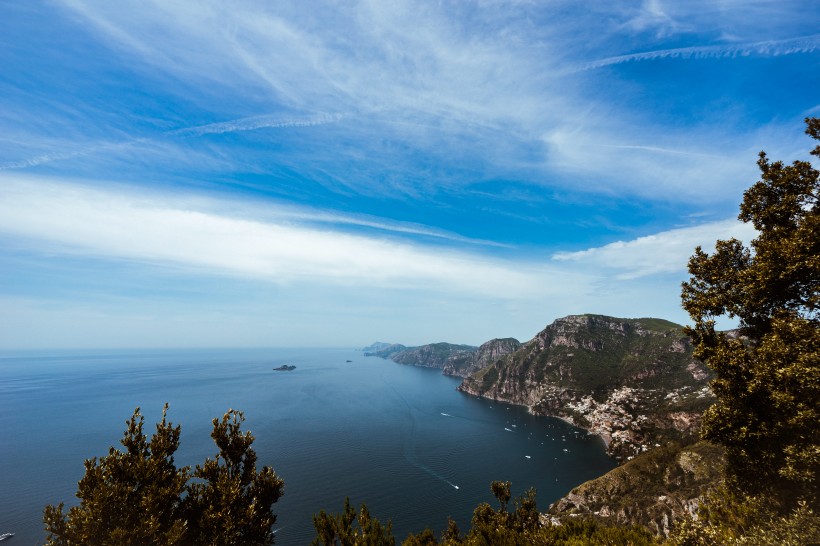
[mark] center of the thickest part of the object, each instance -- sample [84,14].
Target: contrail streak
[255,122]
[242,124]
[769,48]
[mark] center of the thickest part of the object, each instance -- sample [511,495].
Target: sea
[398,438]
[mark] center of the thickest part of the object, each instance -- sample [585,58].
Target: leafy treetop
[767,381]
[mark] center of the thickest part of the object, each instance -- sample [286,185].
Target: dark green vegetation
[349,528]
[768,379]
[767,414]
[138,496]
[519,524]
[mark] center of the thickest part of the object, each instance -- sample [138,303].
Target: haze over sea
[398,438]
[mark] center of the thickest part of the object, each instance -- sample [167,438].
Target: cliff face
[632,381]
[455,360]
[434,355]
[654,490]
[463,365]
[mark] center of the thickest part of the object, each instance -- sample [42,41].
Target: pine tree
[229,503]
[129,497]
[138,496]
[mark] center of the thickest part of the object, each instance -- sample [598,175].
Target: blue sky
[200,173]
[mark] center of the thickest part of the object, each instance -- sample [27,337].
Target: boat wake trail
[409,444]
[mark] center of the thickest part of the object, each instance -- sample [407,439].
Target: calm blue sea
[398,438]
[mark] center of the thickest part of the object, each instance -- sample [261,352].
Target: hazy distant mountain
[377,346]
[384,350]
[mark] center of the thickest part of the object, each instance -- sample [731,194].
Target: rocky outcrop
[455,360]
[632,381]
[653,490]
[434,355]
[463,365]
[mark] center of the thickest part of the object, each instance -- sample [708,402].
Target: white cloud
[676,168]
[335,285]
[97,222]
[660,253]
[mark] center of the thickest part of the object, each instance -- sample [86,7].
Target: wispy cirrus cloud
[767,48]
[492,85]
[251,123]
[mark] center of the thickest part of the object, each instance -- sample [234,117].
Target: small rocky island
[285,368]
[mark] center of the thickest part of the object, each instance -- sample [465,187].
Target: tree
[338,529]
[138,496]
[503,527]
[129,497]
[232,504]
[767,384]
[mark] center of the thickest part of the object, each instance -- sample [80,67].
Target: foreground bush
[519,525]
[138,496]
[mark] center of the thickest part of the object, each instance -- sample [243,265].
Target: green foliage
[339,529]
[231,506]
[129,497]
[502,526]
[519,526]
[727,519]
[138,496]
[767,412]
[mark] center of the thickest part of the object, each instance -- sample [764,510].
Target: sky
[299,173]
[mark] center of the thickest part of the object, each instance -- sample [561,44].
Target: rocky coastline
[632,382]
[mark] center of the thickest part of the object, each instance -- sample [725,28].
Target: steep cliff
[632,381]
[455,360]
[465,364]
[434,355]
